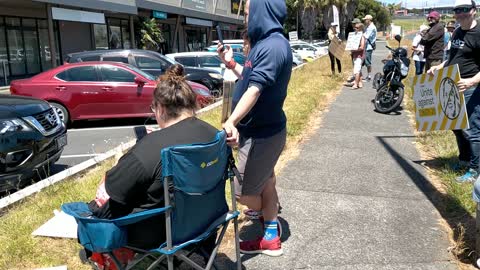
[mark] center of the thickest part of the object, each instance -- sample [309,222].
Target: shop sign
[236,5]
[200,5]
[63,14]
[159,14]
[199,22]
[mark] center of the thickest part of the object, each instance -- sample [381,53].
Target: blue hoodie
[268,66]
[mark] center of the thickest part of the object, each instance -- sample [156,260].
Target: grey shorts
[256,161]
[368,58]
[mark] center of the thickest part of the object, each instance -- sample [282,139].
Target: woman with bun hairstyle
[132,185]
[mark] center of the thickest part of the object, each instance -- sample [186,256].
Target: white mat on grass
[61,225]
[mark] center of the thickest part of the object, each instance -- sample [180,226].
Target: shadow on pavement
[449,207]
[111,123]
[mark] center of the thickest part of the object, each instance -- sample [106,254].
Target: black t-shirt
[465,51]
[134,184]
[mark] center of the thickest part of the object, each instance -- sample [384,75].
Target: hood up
[265,17]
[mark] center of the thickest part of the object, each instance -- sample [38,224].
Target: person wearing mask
[433,41]
[418,50]
[332,34]
[370,44]
[258,122]
[358,57]
[465,44]
[132,185]
[447,39]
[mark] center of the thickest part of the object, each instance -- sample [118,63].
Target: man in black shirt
[464,52]
[433,41]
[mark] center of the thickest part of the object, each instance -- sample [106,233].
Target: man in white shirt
[370,39]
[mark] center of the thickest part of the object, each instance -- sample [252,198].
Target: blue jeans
[419,67]
[472,99]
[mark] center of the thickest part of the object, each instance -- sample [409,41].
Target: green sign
[159,14]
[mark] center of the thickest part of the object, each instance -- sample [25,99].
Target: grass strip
[310,89]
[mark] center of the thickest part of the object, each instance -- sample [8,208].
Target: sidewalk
[355,198]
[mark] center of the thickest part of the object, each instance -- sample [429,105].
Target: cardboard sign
[293,36]
[228,87]
[438,103]
[337,48]
[353,41]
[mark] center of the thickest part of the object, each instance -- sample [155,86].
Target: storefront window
[126,35]
[15,44]
[100,32]
[196,39]
[4,72]
[31,46]
[118,34]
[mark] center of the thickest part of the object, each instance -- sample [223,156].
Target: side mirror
[223,66]
[140,81]
[398,38]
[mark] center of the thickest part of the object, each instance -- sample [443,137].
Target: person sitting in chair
[134,184]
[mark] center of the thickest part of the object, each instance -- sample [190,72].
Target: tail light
[13,88]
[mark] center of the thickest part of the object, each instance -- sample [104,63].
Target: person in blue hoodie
[258,122]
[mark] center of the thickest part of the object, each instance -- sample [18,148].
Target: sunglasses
[462,10]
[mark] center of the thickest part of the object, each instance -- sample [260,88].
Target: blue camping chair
[194,178]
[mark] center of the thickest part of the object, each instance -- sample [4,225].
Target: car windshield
[143,73]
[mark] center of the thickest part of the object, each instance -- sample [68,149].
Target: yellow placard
[438,103]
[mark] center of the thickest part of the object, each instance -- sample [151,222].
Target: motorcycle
[390,89]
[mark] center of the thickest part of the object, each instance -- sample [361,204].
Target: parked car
[32,138]
[238,48]
[209,60]
[151,62]
[97,90]
[297,58]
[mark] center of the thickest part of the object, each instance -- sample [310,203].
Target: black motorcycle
[390,88]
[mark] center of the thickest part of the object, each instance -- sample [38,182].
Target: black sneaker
[368,78]
[351,79]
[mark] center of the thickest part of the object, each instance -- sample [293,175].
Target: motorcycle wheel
[388,100]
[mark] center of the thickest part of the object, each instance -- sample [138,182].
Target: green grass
[309,91]
[410,24]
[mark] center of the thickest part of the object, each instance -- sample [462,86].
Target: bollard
[228,87]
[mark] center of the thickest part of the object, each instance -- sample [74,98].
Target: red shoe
[261,246]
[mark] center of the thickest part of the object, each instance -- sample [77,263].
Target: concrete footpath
[355,198]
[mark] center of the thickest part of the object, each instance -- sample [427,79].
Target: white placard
[293,36]
[61,226]
[353,41]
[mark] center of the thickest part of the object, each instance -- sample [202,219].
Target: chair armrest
[137,217]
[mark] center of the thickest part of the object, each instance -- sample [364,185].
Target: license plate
[61,141]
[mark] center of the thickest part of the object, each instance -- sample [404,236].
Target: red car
[97,90]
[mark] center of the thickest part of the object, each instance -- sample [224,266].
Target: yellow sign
[438,103]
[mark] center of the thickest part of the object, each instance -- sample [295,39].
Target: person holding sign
[332,34]
[465,43]
[358,56]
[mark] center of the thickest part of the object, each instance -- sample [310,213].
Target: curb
[34,188]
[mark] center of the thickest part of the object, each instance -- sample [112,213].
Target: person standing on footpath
[332,34]
[433,41]
[418,50]
[465,44]
[258,122]
[358,58]
[370,45]
[447,38]
[350,80]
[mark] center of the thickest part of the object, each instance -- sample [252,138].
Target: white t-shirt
[418,53]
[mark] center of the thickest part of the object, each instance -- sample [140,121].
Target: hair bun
[175,70]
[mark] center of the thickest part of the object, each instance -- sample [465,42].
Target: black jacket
[433,42]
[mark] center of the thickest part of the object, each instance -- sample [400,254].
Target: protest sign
[293,36]
[353,41]
[337,48]
[438,103]
[228,87]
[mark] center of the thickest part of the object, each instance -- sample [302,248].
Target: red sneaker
[261,246]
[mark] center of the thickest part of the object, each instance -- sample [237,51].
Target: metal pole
[168,220]
[239,8]
[51,36]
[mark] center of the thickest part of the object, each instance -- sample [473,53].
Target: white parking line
[78,156]
[103,128]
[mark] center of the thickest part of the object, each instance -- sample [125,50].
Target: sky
[420,3]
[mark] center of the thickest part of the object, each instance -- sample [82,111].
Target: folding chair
[194,178]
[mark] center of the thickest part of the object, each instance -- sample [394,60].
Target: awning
[125,6]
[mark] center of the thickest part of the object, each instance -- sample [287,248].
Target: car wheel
[62,112]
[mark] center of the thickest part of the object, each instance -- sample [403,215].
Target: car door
[127,98]
[80,90]
[152,65]
[188,61]
[211,62]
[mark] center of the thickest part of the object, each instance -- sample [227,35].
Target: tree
[149,35]
[381,16]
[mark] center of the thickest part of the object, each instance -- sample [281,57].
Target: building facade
[37,35]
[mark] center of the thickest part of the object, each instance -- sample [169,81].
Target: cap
[333,24]
[368,17]
[423,27]
[356,20]
[434,14]
[463,3]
